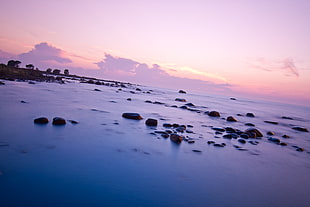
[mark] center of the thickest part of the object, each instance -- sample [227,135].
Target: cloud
[45,55]
[287,65]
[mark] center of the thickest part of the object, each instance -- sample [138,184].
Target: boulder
[151,122]
[252,131]
[59,121]
[41,120]
[214,114]
[231,118]
[134,116]
[176,138]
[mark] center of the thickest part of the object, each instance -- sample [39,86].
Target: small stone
[276,140]
[249,124]
[271,122]
[165,135]
[181,91]
[244,136]
[23,101]
[283,144]
[214,114]
[219,145]
[227,136]
[230,130]
[301,129]
[286,117]
[2,83]
[96,89]
[254,142]
[183,107]
[286,136]
[210,142]
[148,101]
[189,131]
[166,125]
[73,122]
[270,133]
[134,116]
[151,122]
[180,99]
[31,82]
[191,141]
[233,99]
[180,129]
[218,129]
[138,89]
[242,141]
[175,125]
[176,138]
[299,149]
[232,119]
[190,126]
[128,99]
[250,115]
[250,132]
[59,121]
[194,150]
[190,104]
[41,120]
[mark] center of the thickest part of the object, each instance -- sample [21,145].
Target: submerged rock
[134,116]
[59,121]
[176,138]
[151,122]
[41,120]
[301,129]
[214,114]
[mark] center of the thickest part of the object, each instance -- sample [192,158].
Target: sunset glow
[256,49]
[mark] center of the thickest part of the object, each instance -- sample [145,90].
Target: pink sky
[237,48]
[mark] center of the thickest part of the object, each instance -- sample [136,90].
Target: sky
[239,48]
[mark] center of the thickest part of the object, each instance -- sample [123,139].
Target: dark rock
[189,131]
[138,89]
[254,142]
[233,99]
[286,117]
[299,149]
[227,136]
[219,145]
[276,140]
[232,119]
[191,141]
[96,89]
[2,83]
[73,122]
[230,130]
[194,150]
[175,125]
[271,122]
[41,120]
[174,106]
[183,107]
[249,124]
[190,104]
[148,101]
[214,114]
[151,122]
[250,132]
[250,115]
[159,103]
[270,133]
[217,132]
[245,136]
[180,99]
[180,129]
[283,144]
[218,129]
[242,141]
[286,136]
[59,121]
[181,91]
[168,131]
[166,135]
[190,126]
[301,129]
[210,142]
[239,115]
[166,125]
[23,101]
[176,138]
[128,99]
[31,82]
[134,116]
[160,132]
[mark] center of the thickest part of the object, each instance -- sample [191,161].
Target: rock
[227,136]
[175,125]
[183,107]
[190,126]
[210,142]
[245,136]
[166,135]
[218,129]
[128,99]
[151,122]
[134,116]
[301,129]
[250,115]
[180,129]
[254,142]
[242,141]
[181,91]
[283,144]
[166,125]
[190,104]
[96,89]
[31,82]
[271,122]
[230,130]
[276,140]
[249,124]
[250,132]
[299,149]
[232,119]
[59,121]
[22,101]
[159,103]
[233,99]
[73,122]
[176,138]
[148,101]
[189,131]
[270,133]
[219,145]
[180,99]
[214,114]
[194,150]
[138,89]
[41,120]
[286,136]
[286,117]
[191,141]
[2,83]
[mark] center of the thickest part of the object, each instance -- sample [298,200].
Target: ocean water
[106,160]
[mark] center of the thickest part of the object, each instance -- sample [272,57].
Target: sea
[107,160]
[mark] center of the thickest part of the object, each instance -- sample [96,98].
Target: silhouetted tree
[56,71]
[66,72]
[30,66]
[14,63]
[49,70]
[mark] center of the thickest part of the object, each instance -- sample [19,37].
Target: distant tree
[56,71]
[49,70]
[14,63]
[66,72]
[30,66]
